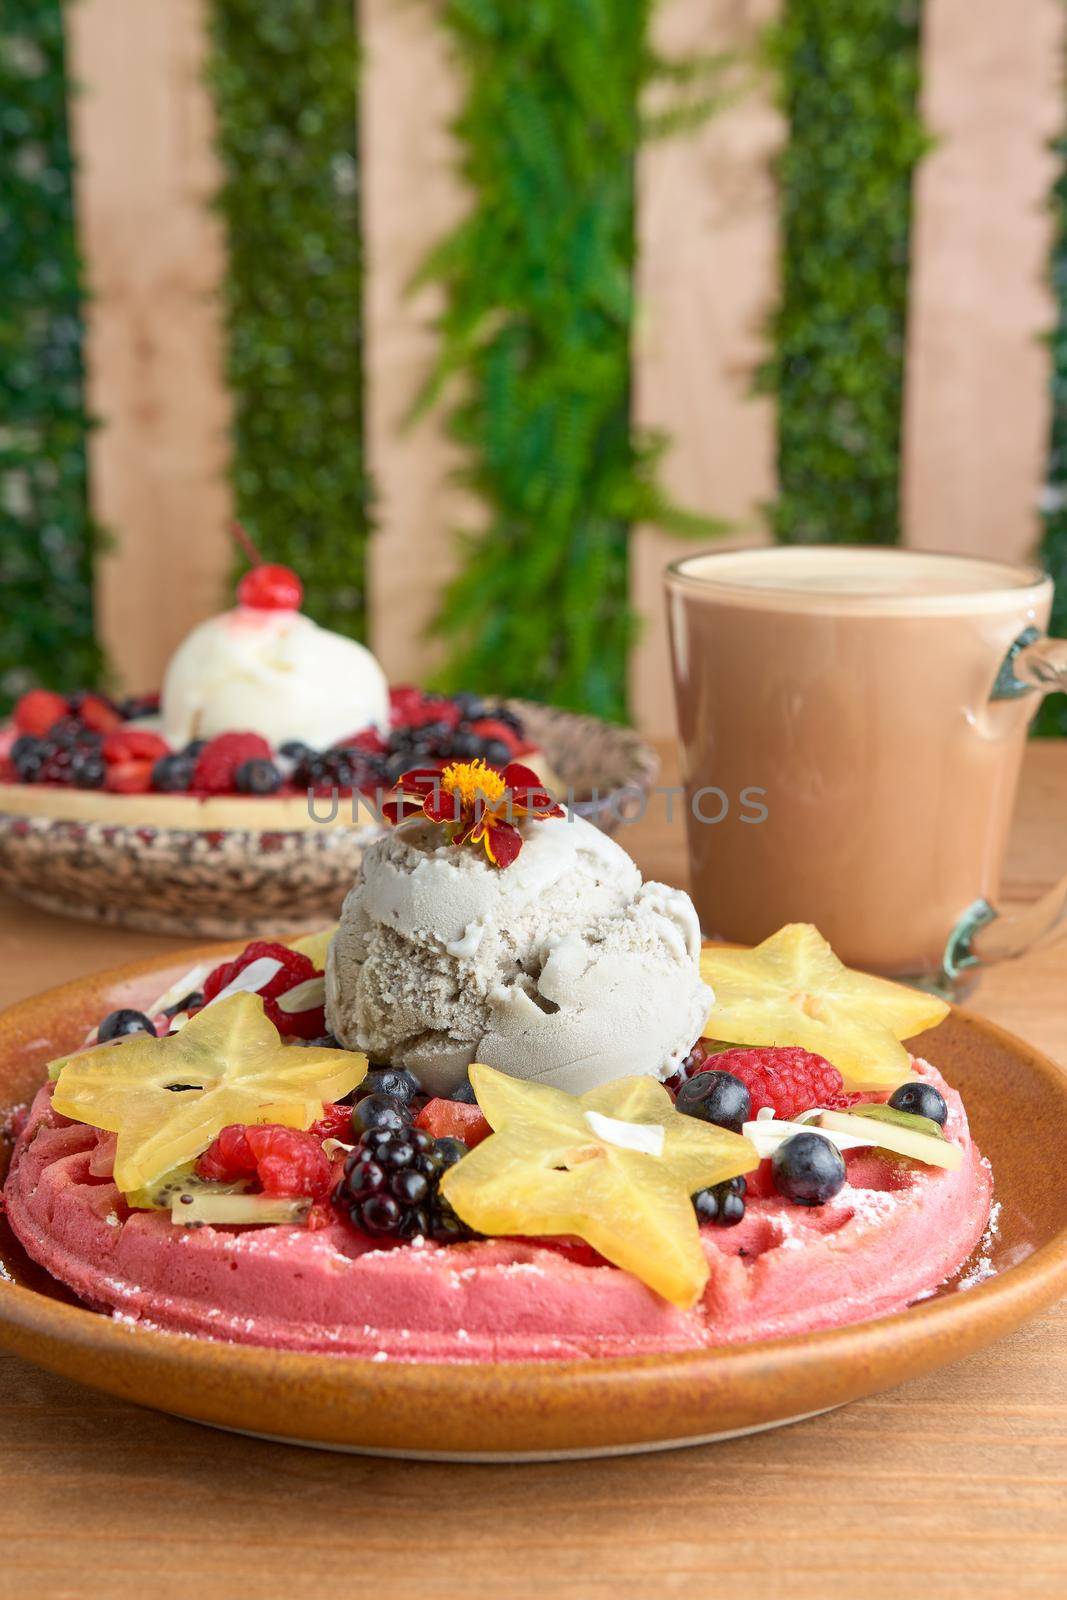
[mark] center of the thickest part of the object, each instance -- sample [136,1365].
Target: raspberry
[38,710]
[216,765]
[784,1077]
[335,1123]
[295,968]
[270,588]
[134,744]
[283,1160]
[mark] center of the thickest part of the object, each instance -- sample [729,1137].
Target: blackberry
[87,769]
[467,745]
[28,757]
[723,1204]
[509,718]
[497,753]
[296,750]
[390,1185]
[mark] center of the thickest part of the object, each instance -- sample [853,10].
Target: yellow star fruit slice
[616,1167]
[168,1098]
[315,945]
[792,989]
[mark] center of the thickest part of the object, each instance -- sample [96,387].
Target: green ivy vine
[47,536]
[848,72]
[1051,719]
[284,76]
[539,315]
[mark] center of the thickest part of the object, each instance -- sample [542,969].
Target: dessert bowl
[1017,1101]
[233,865]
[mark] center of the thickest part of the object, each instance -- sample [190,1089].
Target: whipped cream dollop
[275,673]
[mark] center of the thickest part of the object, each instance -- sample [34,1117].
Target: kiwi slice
[896,1139]
[165,1192]
[901,1119]
[235,1210]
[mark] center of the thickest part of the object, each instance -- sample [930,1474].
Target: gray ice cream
[562,967]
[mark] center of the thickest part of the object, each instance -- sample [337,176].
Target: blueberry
[716,1097]
[188,1002]
[808,1169]
[173,774]
[379,1111]
[470,706]
[497,753]
[193,748]
[465,1094]
[138,705]
[257,777]
[395,1082]
[296,750]
[921,1100]
[117,1024]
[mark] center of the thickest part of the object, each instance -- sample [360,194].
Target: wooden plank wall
[707,237]
[976,413]
[977,378]
[142,129]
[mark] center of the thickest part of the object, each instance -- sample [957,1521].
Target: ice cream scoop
[272,671]
[564,967]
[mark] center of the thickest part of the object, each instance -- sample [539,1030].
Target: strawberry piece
[134,744]
[95,713]
[409,707]
[784,1077]
[295,968]
[38,710]
[451,1119]
[270,588]
[216,766]
[284,1161]
[490,728]
[129,777]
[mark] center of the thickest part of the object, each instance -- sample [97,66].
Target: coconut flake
[302,997]
[254,978]
[646,1137]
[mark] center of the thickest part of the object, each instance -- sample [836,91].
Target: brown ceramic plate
[1017,1102]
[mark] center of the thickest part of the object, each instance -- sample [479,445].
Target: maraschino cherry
[270,588]
[266,587]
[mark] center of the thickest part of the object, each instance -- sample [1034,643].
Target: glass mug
[852,723]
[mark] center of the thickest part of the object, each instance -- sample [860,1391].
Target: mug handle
[984,934]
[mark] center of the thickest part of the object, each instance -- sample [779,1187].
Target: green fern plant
[848,75]
[536,336]
[284,78]
[47,536]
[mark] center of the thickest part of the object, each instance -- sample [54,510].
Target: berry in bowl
[243,794]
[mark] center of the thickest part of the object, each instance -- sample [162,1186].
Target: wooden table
[952,1485]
